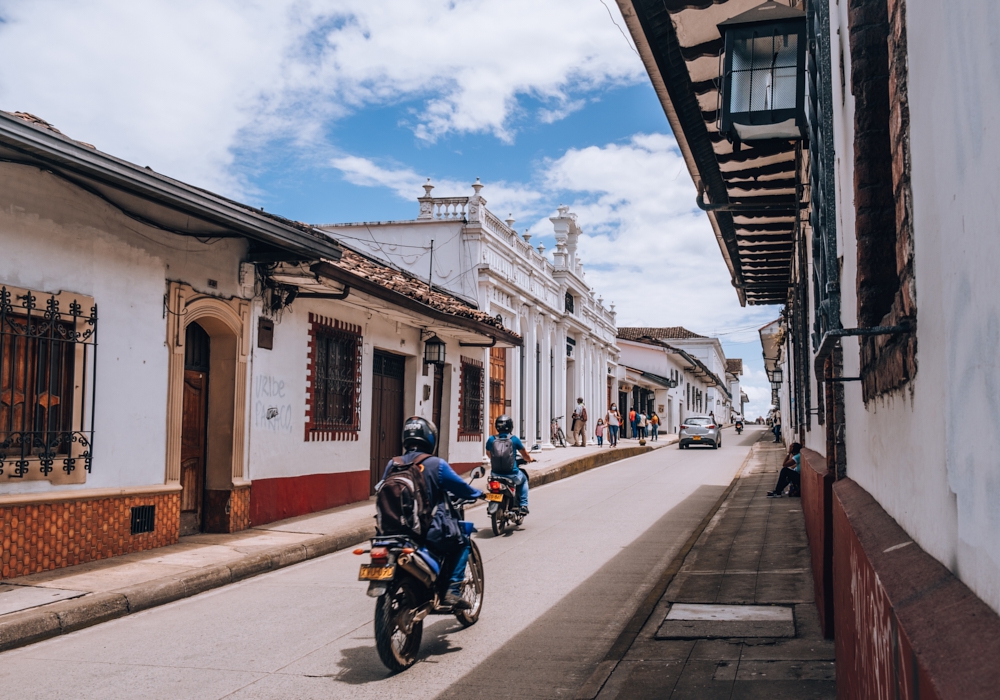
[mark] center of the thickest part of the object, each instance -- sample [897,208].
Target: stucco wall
[278,448]
[928,453]
[55,237]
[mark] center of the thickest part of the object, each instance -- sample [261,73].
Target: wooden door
[388,373]
[194,429]
[498,384]
[438,394]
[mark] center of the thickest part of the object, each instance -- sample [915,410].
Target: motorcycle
[558,437]
[503,502]
[739,427]
[407,580]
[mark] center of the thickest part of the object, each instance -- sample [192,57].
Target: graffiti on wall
[271,409]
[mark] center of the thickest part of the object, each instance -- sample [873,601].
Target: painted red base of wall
[905,626]
[464,467]
[817,494]
[277,499]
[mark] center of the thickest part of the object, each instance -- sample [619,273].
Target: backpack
[502,459]
[402,506]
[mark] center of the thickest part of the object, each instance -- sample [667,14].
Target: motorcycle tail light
[379,553]
[494,486]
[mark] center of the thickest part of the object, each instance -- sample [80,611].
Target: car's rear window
[698,421]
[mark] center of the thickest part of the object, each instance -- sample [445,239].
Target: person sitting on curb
[789,472]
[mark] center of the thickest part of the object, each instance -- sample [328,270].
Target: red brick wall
[41,537]
[817,482]
[906,627]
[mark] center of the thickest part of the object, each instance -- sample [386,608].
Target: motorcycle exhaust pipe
[414,565]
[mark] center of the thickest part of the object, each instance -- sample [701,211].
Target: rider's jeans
[458,573]
[522,486]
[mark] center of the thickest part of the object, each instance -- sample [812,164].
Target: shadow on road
[360,665]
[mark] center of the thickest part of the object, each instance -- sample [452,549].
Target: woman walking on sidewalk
[613,419]
[654,422]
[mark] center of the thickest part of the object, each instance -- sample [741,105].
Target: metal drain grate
[143,519]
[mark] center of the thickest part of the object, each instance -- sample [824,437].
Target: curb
[38,624]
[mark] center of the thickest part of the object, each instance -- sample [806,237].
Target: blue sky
[337,110]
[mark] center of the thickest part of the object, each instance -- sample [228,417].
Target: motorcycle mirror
[477,472]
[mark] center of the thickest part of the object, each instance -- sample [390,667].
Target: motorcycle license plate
[696,437]
[495,497]
[376,573]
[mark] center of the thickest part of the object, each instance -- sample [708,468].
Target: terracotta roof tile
[734,366]
[408,285]
[668,333]
[39,122]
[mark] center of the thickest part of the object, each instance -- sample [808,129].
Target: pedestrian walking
[631,420]
[777,426]
[613,419]
[654,422]
[641,425]
[580,424]
[599,432]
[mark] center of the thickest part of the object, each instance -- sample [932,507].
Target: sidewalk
[43,605]
[737,618]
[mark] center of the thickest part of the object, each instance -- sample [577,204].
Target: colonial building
[692,365]
[172,361]
[849,170]
[456,244]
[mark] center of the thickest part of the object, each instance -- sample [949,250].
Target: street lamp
[777,375]
[434,349]
[763,77]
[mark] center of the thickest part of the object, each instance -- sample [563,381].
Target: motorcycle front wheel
[472,589]
[396,648]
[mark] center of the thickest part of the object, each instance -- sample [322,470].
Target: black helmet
[504,424]
[420,434]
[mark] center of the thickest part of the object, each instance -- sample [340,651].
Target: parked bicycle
[558,437]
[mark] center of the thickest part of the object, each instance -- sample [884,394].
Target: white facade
[928,453]
[476,256]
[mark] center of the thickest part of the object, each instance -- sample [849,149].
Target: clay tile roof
[41,123]
[734,366]
[668,333]
[408,285]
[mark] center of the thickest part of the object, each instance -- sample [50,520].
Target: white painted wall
[278,447]
[929,453]
[56,237]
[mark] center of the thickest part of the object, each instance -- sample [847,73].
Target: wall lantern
[777,375]
[763,77]
[434,349]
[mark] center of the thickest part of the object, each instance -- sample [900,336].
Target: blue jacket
[439,475]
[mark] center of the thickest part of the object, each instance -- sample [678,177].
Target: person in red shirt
[631,420]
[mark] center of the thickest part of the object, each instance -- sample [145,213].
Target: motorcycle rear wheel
[499,521]
[472,589]
[396,648]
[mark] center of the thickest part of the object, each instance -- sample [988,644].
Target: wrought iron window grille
[48,352]
[143,519]
[473,389]
[337,392]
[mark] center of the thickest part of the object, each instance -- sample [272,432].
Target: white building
[458,245]
[674,372]
[172,361]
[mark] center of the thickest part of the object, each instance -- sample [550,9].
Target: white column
[545,388]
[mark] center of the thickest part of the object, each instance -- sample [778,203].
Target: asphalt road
[558,593]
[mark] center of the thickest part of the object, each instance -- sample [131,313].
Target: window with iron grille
[335,386]
[569,303]
[471,399]
[47,355]
[143,519]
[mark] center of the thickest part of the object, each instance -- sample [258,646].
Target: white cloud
[645,245]
[180,85]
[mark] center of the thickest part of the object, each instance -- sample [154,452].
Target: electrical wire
[620,29]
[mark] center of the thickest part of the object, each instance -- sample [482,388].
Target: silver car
[700,430]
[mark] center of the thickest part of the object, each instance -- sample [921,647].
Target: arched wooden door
[194,428]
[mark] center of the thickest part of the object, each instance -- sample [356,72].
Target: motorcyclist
[420,437]
[503,460]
